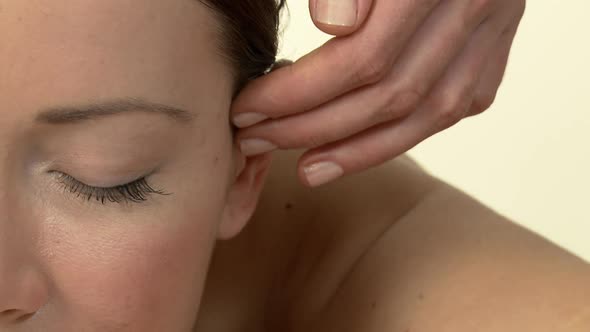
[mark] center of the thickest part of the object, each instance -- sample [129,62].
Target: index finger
[340,65]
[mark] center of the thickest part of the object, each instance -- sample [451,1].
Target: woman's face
[97,94]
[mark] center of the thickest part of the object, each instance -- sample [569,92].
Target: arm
[447,263]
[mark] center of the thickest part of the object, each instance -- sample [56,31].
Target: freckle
[288,206]
[421,296]
[373,305]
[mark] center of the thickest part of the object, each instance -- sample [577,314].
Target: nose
[21,295]
[23,286]
[22,290]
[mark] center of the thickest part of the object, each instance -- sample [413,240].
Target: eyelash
[134,192]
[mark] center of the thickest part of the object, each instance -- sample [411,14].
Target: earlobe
[243,194]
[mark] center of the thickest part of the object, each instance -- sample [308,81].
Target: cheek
[146,275]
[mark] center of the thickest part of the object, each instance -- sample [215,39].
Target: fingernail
[336,12]
[254,146]
[322,172]
[248,119]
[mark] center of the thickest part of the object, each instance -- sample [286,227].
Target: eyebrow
[79,113]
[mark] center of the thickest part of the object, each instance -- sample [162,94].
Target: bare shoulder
[394,248]
[339,219]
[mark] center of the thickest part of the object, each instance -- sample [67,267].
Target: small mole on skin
[373,305]
[421,296]
[288,206]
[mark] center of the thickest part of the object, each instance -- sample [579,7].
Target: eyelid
[136,191]
[100,177]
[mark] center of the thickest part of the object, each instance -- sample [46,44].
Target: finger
[453,95]
[379,103]
[436,44]
[338,66]
[493,74]
[362,151]
[339,17]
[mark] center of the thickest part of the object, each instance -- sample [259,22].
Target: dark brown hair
[249,36]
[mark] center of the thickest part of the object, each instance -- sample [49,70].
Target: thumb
[339,17]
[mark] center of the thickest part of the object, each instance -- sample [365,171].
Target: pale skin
[238,240]
[391,249]
[67,264]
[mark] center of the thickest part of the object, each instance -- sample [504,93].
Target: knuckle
[477,10]
[450,108]
[313,140]
[408,100]
[371,68]
[275,131]
[482,103]
[449,117]
[291,134]
[398,104]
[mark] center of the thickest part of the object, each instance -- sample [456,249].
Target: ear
[243,194]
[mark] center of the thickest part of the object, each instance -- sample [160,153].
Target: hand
[402,72]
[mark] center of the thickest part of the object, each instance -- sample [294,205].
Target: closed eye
[137,191]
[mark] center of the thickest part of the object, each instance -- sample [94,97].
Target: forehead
[56,51]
